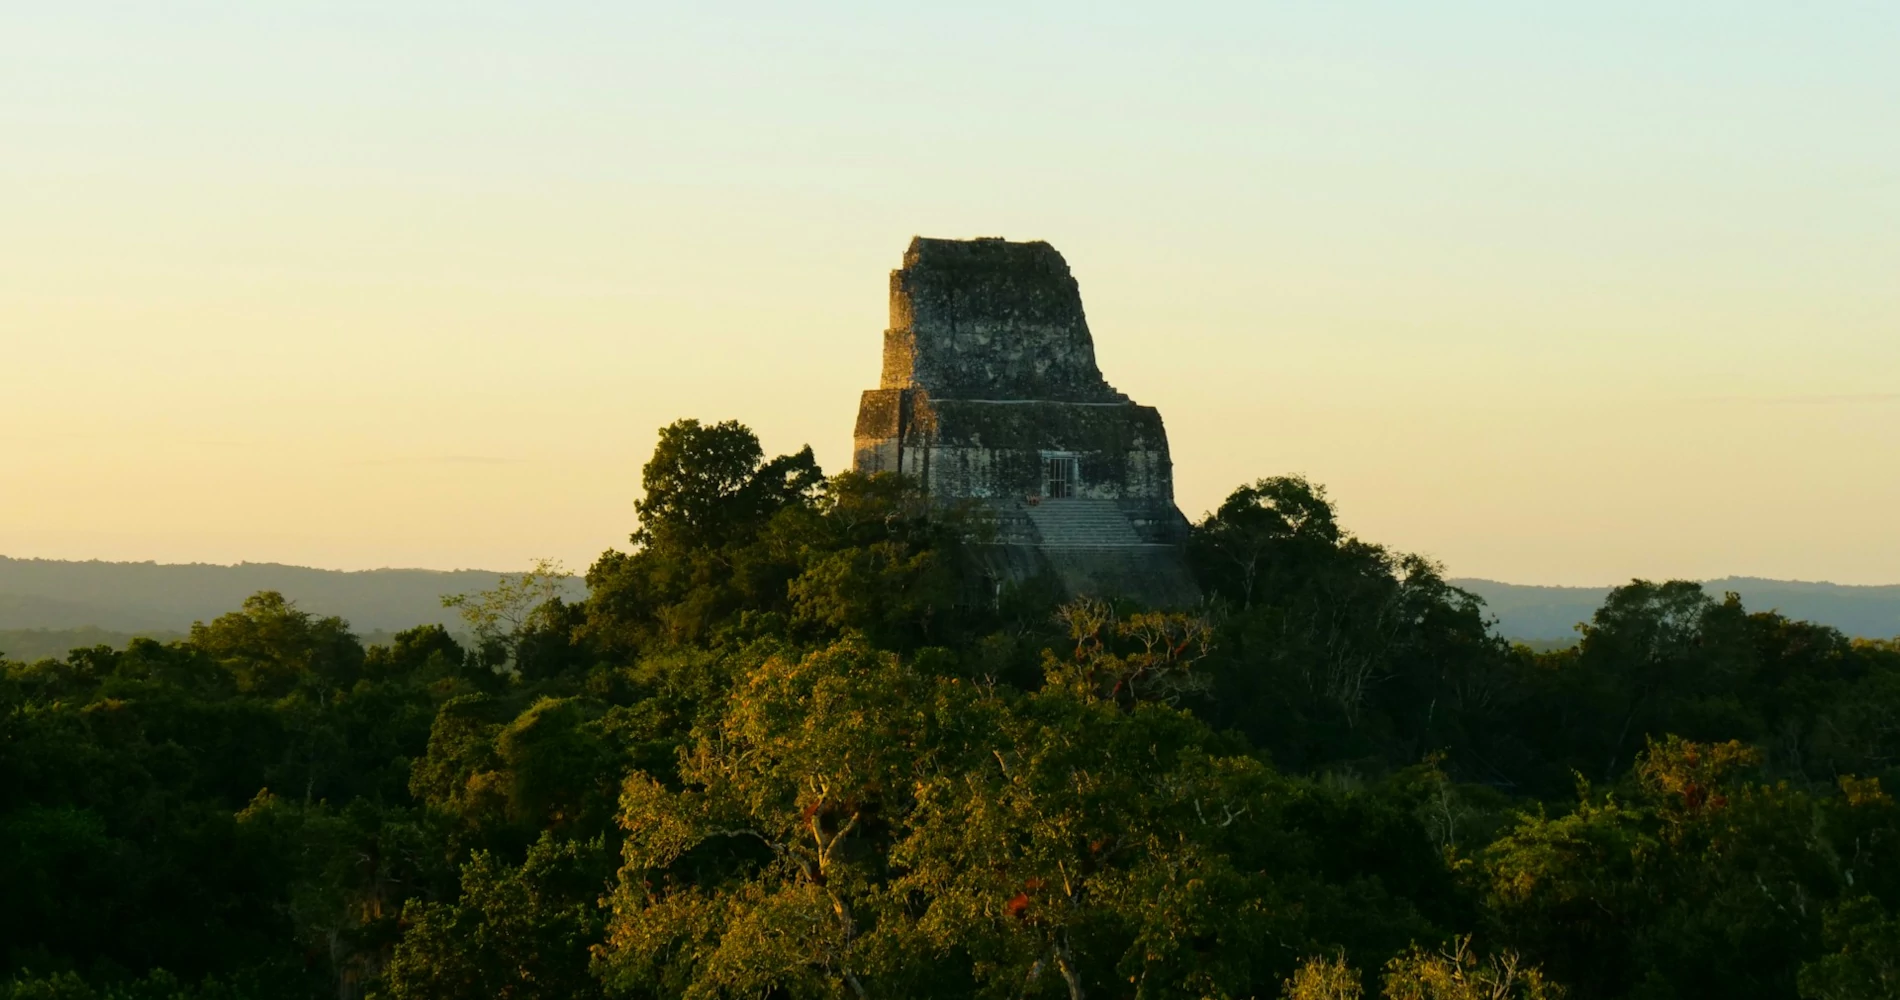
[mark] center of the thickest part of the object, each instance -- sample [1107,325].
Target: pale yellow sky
[1554,298]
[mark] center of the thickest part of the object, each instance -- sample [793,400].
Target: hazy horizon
[580,569]
[1558,297]
[129,598]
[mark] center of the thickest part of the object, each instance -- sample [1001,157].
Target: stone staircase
[1082,524]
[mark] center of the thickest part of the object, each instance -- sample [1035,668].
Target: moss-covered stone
[989,377]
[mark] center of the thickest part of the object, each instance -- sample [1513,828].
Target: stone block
[990,394]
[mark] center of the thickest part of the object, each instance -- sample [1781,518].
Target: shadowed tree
[707,485]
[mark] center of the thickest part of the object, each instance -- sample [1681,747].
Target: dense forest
[777,752]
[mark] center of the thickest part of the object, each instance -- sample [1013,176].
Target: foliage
[784,747]
[1864,957]
[505,619]
[1457,974]
[704,485]
[515,933]
[1323,979]
[272,648]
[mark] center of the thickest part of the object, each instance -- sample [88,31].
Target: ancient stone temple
[991,397]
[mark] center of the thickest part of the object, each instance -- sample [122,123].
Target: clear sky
[1555,293]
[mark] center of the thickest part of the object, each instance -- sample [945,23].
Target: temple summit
[990,397]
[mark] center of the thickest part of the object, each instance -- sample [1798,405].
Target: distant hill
[1551,613]
[138,598]
[156,598]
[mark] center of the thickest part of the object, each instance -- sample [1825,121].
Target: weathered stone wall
[995,449]
[989,368]
[989,319]
[992,450]
[877,439]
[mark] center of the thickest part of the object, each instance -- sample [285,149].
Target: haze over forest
[119,600]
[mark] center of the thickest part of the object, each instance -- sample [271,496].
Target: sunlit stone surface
[991,396]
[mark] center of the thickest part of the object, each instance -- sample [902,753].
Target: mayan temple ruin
[991,396]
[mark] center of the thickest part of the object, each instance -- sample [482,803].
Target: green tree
[878,559]
[1650,652]
[1261,533]
[1698,881]
[1863,961]
[765,872]
[272,647]
[505,618]
[853,824]
[1323,979]
[1089,844]
[514,933]
[1457,973]
[346,874]
[698,561]
[706,485]
[1335,650]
